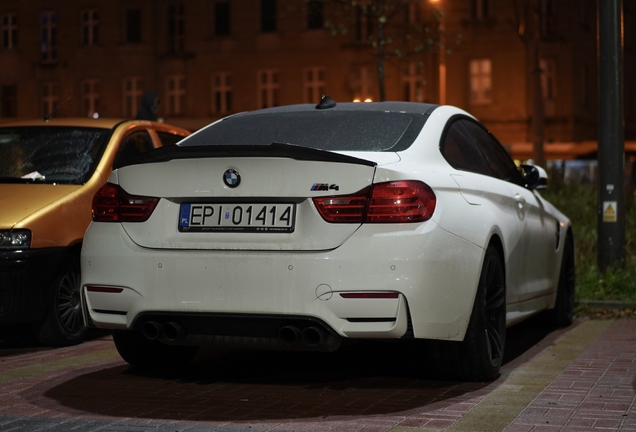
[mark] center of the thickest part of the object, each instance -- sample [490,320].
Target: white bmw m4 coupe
[306,227]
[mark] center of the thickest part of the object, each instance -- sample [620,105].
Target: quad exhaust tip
[289,335]
[171,331]
[311,336]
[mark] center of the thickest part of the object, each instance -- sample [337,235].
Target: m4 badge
[324,187]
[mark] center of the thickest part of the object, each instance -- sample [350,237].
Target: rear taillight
[391,202]
[113,204]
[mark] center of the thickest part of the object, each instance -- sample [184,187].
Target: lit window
[480,82]
[132,96]
[49,98]
[314,84]
[221,93]
[90,97]
[175,92]
[413,85]
[362,84]
[268,88]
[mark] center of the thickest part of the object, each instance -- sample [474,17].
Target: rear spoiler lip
[290,151]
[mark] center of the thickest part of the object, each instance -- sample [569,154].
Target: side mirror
[534,177]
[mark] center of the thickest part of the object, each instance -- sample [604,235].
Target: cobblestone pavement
[581,378]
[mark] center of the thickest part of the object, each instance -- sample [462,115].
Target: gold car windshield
[50,154]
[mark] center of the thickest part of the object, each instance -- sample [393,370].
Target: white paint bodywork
[434,266]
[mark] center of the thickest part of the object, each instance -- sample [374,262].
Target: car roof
[388,106]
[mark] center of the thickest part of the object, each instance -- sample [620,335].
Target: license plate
[266,218]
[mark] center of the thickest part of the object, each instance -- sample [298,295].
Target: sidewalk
[582,378]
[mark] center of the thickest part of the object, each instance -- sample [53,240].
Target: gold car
[49,172]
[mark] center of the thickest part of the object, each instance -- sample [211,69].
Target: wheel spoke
[495,342]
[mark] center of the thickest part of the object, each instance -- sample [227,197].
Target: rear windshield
[375,131]
[50,154]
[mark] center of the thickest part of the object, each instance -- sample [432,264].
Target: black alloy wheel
[563,312]
[494,308]
[68,302]
[480,355]
[63,324]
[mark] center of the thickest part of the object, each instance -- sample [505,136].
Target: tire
[480,355]
[563,312]
[63,324]
[138,351]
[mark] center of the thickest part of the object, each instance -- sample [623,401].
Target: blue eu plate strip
[184,219]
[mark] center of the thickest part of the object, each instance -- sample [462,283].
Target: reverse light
[113,204]
[401,201]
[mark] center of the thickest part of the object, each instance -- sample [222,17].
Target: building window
[132,96]
[9,23]
[480,82]
[175,92]
[268,16]
[49,98]
[413,85]
[315,14]
[48,36]
[548,86]
[176,27]
[268,88]
[221,93]
[314,84]
[479,9]
[90,27]
[9,101]
[411,13]
[363,25]
[90,98]
[547,18]
[362,83]
[548,78]
[222,18]
[133,25]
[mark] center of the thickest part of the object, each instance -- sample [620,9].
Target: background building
[210,58]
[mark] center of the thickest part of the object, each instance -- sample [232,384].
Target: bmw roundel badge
[231,178]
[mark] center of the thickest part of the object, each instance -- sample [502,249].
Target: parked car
[304,227]
[49,173]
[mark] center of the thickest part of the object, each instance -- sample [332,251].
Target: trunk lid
[274,186]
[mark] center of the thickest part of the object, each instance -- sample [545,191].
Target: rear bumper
[24,279]
[434,285]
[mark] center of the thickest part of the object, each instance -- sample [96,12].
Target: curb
[605,304]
